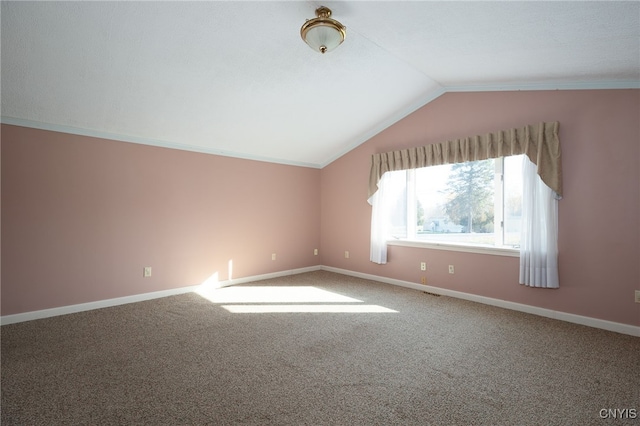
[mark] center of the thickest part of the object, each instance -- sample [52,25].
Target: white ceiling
[234,78]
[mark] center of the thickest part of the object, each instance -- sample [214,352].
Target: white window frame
[498,249]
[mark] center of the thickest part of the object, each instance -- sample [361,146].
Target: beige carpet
[185,360]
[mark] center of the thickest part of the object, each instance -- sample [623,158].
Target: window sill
[496,251]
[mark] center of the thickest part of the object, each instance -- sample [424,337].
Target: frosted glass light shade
[323,38]
[323,34]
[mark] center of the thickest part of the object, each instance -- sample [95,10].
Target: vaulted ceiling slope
[234,77]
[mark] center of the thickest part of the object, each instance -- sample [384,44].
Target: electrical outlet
[346,254]
[451,269]
[147,271]
[637,296]
[273,256]
[423,266]
[423,280]
[315,252]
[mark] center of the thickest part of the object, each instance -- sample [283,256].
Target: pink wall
[82,216]
[599,216]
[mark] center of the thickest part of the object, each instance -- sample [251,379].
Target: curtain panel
[538,231]
[539,142]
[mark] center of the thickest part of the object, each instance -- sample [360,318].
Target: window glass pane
[512,199]
[456,202]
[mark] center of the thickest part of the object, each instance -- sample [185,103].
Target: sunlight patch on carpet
[273,294]
[260,309]
[285,299]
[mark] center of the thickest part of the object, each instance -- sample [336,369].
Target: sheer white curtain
[539,231]
[384,202]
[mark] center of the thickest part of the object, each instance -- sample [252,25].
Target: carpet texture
[185,360]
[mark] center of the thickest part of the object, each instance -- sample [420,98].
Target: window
[475,203]
[399,209]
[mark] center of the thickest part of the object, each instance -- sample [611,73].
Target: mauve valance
[539,142]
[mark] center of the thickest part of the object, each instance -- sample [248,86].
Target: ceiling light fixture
[322,33]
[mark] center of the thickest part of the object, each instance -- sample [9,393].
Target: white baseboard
[563,316]
[64,310]
[72,309]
